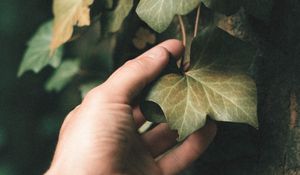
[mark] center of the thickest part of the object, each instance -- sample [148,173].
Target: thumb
[135,74]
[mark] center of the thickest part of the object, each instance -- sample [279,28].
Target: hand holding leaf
[216,86]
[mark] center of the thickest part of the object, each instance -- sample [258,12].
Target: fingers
[129,79]
[181,157]
[159,139]
[138,116]
[174,47]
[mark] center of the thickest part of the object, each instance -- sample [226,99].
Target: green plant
[212,79]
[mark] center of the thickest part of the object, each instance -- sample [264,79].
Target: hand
[100,135]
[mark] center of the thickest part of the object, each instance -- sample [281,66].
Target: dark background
[28,125]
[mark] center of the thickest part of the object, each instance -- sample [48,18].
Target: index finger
[135,74]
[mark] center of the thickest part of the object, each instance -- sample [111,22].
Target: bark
[275,148]
[280,85]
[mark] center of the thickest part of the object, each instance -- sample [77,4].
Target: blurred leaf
[109,3]
[158,14]
[114,19]
[216,86]
[37,55]
[142,37]
[85,88]
[68,13]
[50,124]
[63,75]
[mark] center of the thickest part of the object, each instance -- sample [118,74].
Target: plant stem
[197,22]
[183,33]
[182,28]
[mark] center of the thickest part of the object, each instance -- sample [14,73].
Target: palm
[100,136]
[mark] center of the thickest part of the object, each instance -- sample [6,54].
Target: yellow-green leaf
[158,14]
[216,85]
[68,13]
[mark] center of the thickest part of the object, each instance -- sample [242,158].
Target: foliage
[158,14]
[62,75]
[216,85]
[68,13]
[37,55]
[210,80]
[115,18]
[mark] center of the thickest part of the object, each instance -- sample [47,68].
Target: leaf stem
[197,22]
[182,28]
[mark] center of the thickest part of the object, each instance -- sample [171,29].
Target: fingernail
[155,52]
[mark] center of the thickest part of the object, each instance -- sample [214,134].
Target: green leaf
[216,86]
[114,19]
[63,75]
[37,55]
[158,14]
[108,3]
[85,88]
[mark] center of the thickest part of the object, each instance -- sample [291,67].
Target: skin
[100,135]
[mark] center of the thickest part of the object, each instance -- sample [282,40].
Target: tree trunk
[275,149]
[280,85]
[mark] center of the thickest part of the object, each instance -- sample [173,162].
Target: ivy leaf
[216,86]
[114,19]
[158,14]
[37,55]
[63,75]
[68,13]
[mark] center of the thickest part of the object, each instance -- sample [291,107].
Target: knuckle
[137,65]
[96,94]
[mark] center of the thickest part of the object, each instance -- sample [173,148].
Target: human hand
[100,135]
